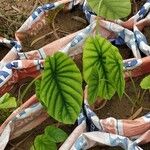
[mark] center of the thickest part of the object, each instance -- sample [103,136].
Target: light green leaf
[61,88]
[56,135]
[106,89]
[111,9]
[98,87]
[42,142]
[94,55]
[101,54]
[93,86]
[115,67]
[145,83]
[6,101]
[32,147]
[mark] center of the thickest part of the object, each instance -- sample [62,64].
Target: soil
[66,24]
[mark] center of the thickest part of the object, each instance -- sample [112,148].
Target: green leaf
[106,89]
[42,142]
[61,88]
[111,9]
[93,86]
[101,54]
[6,101]
[98,87]
[32,147]
[115,67]
[56,135]
[94,54]
[145,83]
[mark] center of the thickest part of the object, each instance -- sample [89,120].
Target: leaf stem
[99,6]
[133,83]
[141,98]
[129,98]
[28,87]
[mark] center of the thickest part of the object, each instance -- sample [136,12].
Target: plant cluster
[59,88]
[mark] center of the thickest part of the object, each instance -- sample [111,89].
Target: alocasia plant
[60,88]
[102,68]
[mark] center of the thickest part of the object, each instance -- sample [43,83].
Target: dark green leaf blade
[61,88]
[56,135]
[111,9]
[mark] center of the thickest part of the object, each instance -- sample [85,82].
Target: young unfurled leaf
[101,54]
[42,142]
[56,135]
[6,101]
[61,88]
[111,9]
[145,83]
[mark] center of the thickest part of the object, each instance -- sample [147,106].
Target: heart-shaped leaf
[145,83]
[42,142]
[61,88]
[56,135]
[101,54]
[111,9]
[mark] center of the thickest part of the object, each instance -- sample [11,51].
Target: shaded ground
[66,24]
